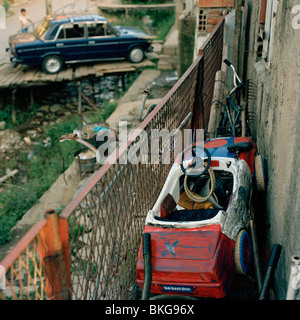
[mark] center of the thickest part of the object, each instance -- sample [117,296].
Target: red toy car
[198,225]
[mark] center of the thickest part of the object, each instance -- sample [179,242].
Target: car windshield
[111,30]
[42,27]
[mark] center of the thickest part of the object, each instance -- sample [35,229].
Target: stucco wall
[276,129]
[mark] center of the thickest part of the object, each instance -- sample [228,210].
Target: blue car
[64,40]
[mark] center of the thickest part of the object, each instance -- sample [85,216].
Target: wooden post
[31,97]
[13,110]
[89,101]
[54,255]
[216,104]
[79,97]
[117,86]
[49,7]
[123,82]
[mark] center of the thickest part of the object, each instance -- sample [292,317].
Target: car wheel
[259,173]
[242,252]
[136,55]
[52,64]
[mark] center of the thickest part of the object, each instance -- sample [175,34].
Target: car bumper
[13,58]
[200,290]
[194,262]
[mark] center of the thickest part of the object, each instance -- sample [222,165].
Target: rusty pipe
[73,136]
[145,94]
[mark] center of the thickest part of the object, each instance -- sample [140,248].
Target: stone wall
[276,129]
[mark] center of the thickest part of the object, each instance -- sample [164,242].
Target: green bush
[21,115]
[42,170]
[6,5]
[163,20]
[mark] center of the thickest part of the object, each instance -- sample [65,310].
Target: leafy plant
[21,115]
[163,20]
[6,5]
[42,170]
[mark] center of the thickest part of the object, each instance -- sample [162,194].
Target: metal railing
[90,250]
[24,278]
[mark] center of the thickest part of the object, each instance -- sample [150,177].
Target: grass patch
[42,170]
[21,115]
[163,20]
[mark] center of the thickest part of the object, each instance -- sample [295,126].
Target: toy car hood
[195,261]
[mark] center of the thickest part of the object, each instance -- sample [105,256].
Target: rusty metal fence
[24,278]
[211,51]
[90,250]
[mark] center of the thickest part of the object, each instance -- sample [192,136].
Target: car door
[71,42]
[103,43]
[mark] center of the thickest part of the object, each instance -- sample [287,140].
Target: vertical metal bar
[256,254]
[65,241]
[275,254]
[263,10]
[51,252]
[145,95]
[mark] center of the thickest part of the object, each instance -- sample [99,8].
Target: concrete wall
[186,39]
[276,129]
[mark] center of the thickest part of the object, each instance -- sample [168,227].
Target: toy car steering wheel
[197,161]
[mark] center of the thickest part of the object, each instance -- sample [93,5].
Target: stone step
[171,50]
[168,63]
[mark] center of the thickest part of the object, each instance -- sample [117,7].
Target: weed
[41,171]
[21,115]
[163,20]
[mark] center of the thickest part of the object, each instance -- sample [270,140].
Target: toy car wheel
[136,55]
[52,64]
[242,252]
[259,173]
